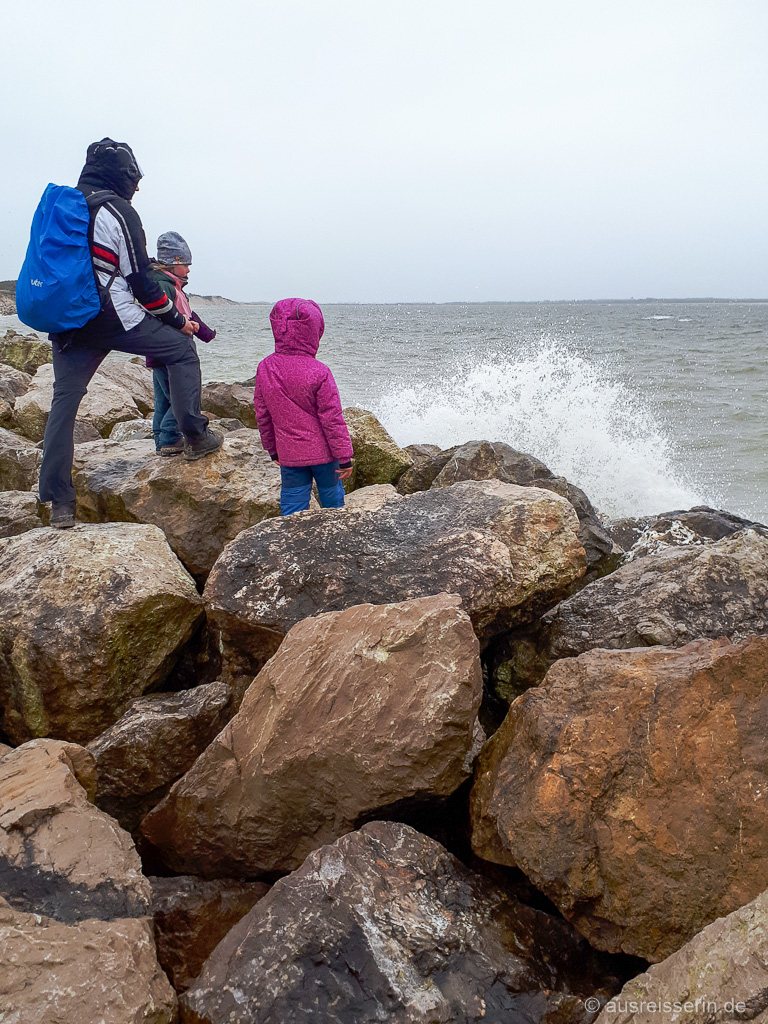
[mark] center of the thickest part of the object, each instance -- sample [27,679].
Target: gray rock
[13,383]
[700,525]
[153,744]
[428,460]
[386,925]
[131,430]
[230,401]
[712,590]
[134,377]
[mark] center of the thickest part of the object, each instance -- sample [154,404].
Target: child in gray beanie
[171,270]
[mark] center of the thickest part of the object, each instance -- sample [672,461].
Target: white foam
[563,408]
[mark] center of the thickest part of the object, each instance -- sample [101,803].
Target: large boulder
[712,590]
[19,511]
[132,430]
[157,739]
[494,460]
[74,921]
[192,916]
[509,552]
[357,710]
[89,619]
[104,405]
[24,352]
[720,975]
[378,460]
[200,506]
[628,789]
[19,462]
[386,925]
[368,499]
[230,401]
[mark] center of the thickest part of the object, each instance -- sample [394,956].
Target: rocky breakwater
[508,552]
[89,618]
[75,909]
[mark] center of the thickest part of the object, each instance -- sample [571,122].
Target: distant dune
[211,300]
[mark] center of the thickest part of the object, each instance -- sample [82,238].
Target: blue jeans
[164,425]
[297,487]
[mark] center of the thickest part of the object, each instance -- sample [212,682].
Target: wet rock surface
[507,551]
[386,925]
[720,975]
[192,916]
[628,787]
[378,460]
[89,618]
[651,534]
[200,506]
[712,590]
[74,929]
[357,710]
[153,744]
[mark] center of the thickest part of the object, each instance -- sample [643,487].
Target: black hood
[110,165]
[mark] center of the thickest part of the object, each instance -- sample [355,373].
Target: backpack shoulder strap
[96,200]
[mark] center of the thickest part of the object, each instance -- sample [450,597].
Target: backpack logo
[36,283]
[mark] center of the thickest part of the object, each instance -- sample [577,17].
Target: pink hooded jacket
[298,410]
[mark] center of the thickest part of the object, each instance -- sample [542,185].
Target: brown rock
[720,975]
[200,506]
[77,943]
[428,460]
[378,460]
[230,401]
[19,462]
[385,925]
[507,551]
[192,916]
[153,744]
[104,405]
[357,710]
[94,971]
[24,352]
[19,511]
[628,788]
[6,414]
[89,619]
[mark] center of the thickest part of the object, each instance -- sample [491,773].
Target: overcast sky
[410,150]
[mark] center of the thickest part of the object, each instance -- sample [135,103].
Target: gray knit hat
[171,248]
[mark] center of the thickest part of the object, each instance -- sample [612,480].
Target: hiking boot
[63,516]
[177,448]
[206,444]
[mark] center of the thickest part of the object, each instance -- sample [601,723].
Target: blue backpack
[57,289]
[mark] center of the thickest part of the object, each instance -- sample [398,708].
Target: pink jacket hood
[297,326]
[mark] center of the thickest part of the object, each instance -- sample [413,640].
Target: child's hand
[190,327]
[344,474]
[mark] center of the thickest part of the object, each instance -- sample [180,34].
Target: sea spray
[563,408]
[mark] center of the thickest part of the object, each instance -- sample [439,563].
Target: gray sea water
[648,406]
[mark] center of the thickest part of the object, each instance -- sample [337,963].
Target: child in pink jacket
[298,410]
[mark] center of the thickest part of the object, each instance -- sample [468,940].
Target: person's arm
[264,421]
[333,423]
[136,268]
